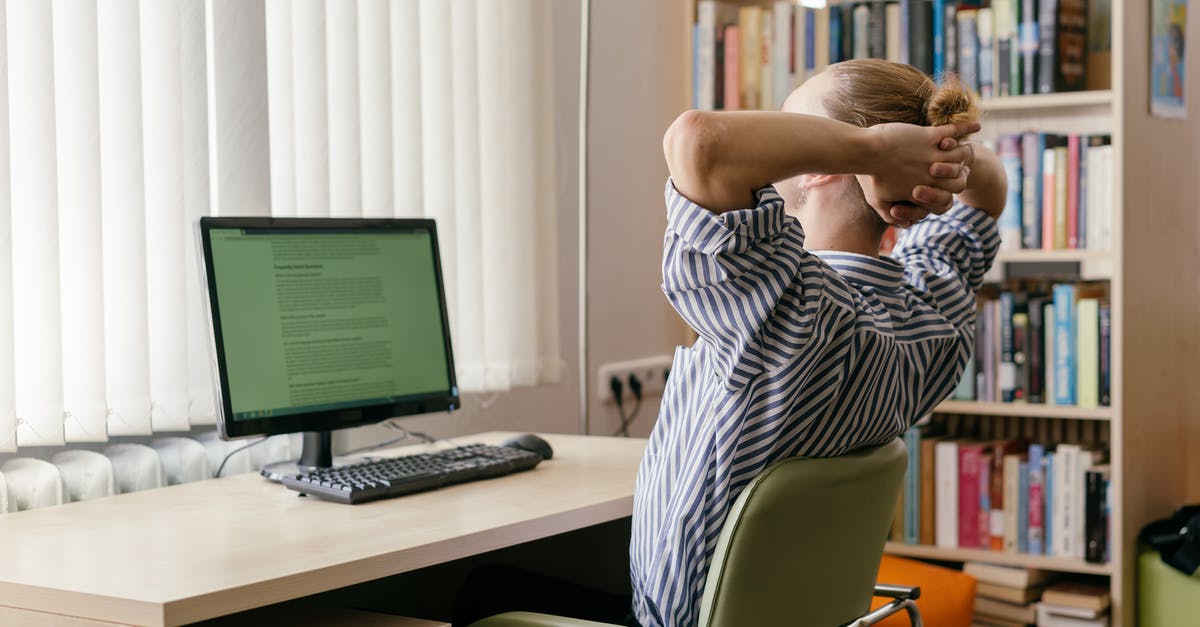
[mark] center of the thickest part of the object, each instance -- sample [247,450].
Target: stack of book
[751,56]
[1060,194]
[1042,342]
[1072,604]
[1006,494]
[1005,595]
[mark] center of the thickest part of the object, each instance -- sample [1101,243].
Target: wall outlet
[651,371]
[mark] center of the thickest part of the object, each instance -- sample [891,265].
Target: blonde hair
[867,92]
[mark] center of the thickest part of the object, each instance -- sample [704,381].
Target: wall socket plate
[652,371]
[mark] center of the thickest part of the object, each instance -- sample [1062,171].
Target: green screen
[320,320]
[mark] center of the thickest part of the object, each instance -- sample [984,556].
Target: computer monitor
[324,324]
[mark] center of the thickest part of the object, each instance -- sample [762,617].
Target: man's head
[864,92]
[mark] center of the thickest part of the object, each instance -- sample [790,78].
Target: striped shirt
[800,352]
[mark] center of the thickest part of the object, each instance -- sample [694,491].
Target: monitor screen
[321,324]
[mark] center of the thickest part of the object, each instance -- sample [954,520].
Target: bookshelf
[1154,417]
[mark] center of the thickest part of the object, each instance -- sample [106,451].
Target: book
[821,38]
[1048,504]
[985,607]
[1048,353]
[967,36]
[1009,150]
[912,487]
[1036,481]
[1077,594]
[766,78]
[921,43]
[1087,352]
[800,57]
[1009,594]
[1032,145]
[1049,615]
[733,68]
[836,15]
[750,55]
[1098,68]
[1095,508]
[1029,45]
[1035,352]
[1061,193]
[1072,213]
[1065,389]
[1012,576]
[1104,377]
[985,30]
[719,68]
[1010,513]
[938,27]
[861,46]
[1000,494]
[705,51]
[950,56]
[1020,334]
[970,457]
[893,39]
[1022,506]
[781,60]
[1003,28]
[928,505]
[946,494]
[876,29]
[1062,45]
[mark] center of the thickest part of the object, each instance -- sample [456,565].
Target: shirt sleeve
[945,258]
[733,276]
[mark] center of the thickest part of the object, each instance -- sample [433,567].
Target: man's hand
[918,170]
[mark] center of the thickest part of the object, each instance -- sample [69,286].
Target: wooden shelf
[1033,410]
[1049,101]
[1035,255]
[1024,560]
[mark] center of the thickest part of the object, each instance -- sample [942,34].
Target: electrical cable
[234,452]
[635,386]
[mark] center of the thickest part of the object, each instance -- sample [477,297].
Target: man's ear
[809,181]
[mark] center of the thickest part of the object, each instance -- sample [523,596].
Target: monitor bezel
[228,427]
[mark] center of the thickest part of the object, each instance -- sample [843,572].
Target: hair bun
[951,103]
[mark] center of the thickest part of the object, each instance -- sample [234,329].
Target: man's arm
[718,159]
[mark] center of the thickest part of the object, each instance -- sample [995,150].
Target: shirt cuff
[710,233]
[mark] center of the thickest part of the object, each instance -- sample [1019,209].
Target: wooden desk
[186,553]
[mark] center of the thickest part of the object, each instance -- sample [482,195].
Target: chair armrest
[531,619]
[897,592]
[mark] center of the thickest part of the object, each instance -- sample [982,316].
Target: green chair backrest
[803,542]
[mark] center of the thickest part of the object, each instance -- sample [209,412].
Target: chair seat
[533,619]
[947,595]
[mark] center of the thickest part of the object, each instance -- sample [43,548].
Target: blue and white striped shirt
[799,353]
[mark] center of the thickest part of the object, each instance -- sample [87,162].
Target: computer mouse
[532,443]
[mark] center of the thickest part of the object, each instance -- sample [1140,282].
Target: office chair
[801,546]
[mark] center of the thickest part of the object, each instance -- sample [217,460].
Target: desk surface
[186,553]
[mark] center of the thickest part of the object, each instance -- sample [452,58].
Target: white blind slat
[280,91]
[468,326]
[77,109]
[345,146]
[8,415]
[407,146]
[162,94]
[374,69]
[194,83]
[123,210]
[311,107]
[37,345]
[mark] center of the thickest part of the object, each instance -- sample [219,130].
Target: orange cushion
[947,595]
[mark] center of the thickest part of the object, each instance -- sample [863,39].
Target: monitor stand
[317,452]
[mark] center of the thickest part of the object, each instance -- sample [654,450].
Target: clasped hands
[918,170]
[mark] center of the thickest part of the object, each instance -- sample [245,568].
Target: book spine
[1073,192]
[847,51]
[1030,37]
[904,42]
[939,36]
[1095,531]
[1020,335]
[1031,189]
[706,55]
[733,68]
[1023,507]
[1036,501]
[946,499]
[1047,46]
[968,496]
[921,37]
[951,52]
[983,521]
[750,22]
[1064,345]
[781,61]
[1010,514]
[1003,28]
[1087,352]
[1035,353]
[810,42]
[876,29]
[1061,184]
[1048,353]
[1070,37]
[766,81]
[1014,53]
[1082,225]
[985,29]
[719,67]
[697,67]
[912,487]
[1048,506]
[928,504]
[1009,150]
[1049,165]
[967,34]
[835,33]
[1066,462]
[1007,371]
[1104,376]
[862,31]
[823,33]
[894,29]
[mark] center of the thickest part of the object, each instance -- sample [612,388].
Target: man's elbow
[690,145]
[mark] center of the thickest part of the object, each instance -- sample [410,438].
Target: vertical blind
[121,122]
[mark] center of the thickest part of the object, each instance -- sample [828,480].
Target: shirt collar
[879,272]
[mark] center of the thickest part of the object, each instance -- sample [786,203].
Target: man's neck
[824,233]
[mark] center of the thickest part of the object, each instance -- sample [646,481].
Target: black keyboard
[393,476]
